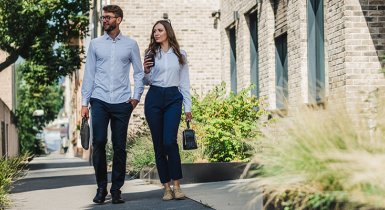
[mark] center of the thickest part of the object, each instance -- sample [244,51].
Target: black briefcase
[85,133]
[189,141]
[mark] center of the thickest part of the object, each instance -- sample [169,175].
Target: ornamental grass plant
[10,170]
[324,159]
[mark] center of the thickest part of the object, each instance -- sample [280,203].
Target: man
[106,87]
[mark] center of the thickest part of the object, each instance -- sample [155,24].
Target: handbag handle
[84,119]
[188,124]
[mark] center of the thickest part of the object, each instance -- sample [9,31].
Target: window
[281,71]
[233,60]
[316,55]
[254,72]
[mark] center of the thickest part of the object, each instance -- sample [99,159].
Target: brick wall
[6,83]
[297,52]
[194,30]
[355,36]
[193,25]
[266,47]
[354,45]
[9,144]
[280,15]
[7,125]
[364,50]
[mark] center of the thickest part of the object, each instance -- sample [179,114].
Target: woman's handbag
[189,141]
[85,133]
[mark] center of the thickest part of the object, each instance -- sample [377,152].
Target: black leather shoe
[116,197]
[100,196]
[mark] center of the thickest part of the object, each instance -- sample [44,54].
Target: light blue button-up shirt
[106,74]
[167,72]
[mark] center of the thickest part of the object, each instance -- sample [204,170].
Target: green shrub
[140,152]
[11,169]
[229,122]
[225,127]
[191,156]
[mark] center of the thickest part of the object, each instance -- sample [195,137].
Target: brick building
[9,143]
[297,52]
[304,52]
[193,24]
[194,27]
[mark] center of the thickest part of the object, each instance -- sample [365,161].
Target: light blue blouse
[167,72]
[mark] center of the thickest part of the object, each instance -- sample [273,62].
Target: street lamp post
[38,113]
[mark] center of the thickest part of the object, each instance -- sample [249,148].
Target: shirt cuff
[187,109]
[136,97]
[85,102]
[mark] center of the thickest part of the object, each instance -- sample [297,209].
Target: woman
[168,77]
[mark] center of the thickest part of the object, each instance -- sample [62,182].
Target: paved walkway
[58,182]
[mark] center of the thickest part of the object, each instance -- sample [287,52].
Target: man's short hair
[114,9]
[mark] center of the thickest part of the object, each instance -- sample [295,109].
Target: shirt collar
[170,50]
[107,37]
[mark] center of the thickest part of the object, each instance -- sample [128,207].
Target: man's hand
[188,116]
[134,102]
[85,112]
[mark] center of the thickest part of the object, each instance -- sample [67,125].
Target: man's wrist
[135,98]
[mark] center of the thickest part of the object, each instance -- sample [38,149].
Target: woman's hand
[188,116]
[147,64]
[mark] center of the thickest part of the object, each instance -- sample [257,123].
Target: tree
[32,96]
[41,31]
[44,33]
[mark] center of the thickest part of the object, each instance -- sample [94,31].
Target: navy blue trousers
[163,109]
[119,115]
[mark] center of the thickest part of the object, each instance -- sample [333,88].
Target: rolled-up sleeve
[138,72]
[89,75]
[184,85]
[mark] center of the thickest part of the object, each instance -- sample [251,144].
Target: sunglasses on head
[166,20]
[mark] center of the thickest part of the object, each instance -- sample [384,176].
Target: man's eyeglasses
[108,18]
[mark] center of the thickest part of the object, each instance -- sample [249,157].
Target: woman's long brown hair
[154,46]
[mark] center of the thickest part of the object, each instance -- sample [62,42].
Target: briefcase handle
[188,124]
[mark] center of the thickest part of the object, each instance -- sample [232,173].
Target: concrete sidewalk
[59,182]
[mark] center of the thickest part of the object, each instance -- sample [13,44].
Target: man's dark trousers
[119,115]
